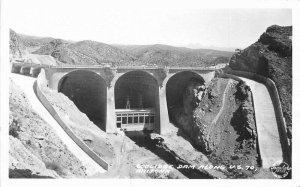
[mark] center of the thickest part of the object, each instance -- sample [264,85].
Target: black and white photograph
[148,90]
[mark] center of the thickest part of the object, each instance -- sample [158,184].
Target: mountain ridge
[90,52]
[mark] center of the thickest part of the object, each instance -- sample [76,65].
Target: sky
[138,24]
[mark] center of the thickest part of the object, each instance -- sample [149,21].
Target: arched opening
[179,91]
[88,91]
[137,101]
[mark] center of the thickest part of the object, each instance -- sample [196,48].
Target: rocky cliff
[271,56]
[16,48]
[219,121]
[203,109]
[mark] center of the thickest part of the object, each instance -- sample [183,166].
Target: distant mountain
[33,41]
[85,52]
[165,55]
[200,46]
[95,53]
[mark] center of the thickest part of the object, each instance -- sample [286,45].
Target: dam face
[131,98]
[88,92]
[137,101]
[176,89]
[177,85]
[139,88]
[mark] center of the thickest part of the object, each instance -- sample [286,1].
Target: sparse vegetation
[35,149]
[14,128]
[96,53]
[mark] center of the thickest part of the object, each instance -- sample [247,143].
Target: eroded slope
[35,150]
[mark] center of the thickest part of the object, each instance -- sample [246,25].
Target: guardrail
[30,65]
[132,67]
[112,67]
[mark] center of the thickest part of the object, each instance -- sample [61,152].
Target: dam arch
[176,88]
[137,101]
[88,91]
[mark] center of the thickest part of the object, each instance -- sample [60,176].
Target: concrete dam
[140,98]
[131,98]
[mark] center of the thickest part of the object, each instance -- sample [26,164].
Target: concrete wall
[53,76]
[41,81]
[16,68]
[151,98]
[136,84]
[163,112]
[176,85]
[111,76]
[110,107]
[25,70]
[207,76]
[276,103]
[35,71]
[88,92]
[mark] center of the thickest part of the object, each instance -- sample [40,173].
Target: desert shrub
[14,128]
[57,168]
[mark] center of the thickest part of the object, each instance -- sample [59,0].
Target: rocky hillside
[164,55]
[22,46]
[84,53]
[96,53]
[35,151]
[220,123]
[16,46]
[271,56]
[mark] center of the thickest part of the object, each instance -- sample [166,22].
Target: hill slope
[164,55]
[95,53]
[35,149]
[84,52]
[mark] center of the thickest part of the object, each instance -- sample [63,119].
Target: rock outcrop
[223,110]
[271,56]
[15,46]
[192,96]
[251,59]
[243,117]
[278,39]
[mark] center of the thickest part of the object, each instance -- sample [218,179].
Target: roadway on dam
[26,84]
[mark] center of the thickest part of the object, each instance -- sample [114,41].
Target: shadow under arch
[88,91]
[137,90]
[176,86]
